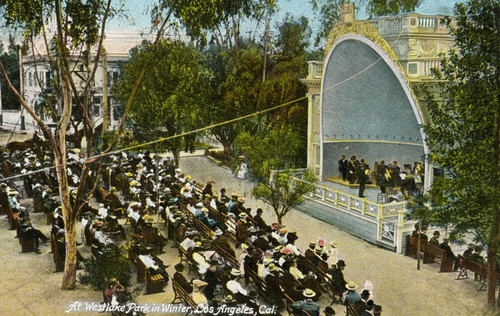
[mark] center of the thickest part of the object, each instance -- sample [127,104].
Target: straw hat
[235,272]
[309,293]
[351,286]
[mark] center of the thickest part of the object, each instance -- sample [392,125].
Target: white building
[37,73]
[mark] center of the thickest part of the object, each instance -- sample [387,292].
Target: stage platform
[371,190]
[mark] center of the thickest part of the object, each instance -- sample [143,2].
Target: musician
[362,177]
[352,169]
[343,168]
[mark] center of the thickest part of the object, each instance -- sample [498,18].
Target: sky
[139,18]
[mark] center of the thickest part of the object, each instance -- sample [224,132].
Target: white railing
[315,69]
[387,216]
[428,65]
[426,22]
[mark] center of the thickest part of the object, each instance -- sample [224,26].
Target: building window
[97,110]
[30,79]
[96,100]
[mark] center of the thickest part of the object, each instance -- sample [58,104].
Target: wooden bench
[412,245]
[227,256]
[289,307]
[181,294]
[59,260]
[431,252]
[154,283]
[27,244]
[325,280]
[184,256]
[477,268]
[350,310]
[260,284]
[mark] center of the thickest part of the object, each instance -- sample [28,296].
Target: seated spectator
[180,279]
[368,310]
[29,232]
[476,256]
[239,293]
[259,221]
[329,311]
[449,253]
[198,295]
[274,291]
[470,251]
[306,305]
[112,292]
[337,275]
[361,305]
[351,295]
[333,254]
[416,232]
[435,238]
[212,281]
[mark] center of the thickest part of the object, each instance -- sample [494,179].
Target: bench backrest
[350,310]
[185,296]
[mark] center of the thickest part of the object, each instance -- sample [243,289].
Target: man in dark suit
[274,291]
[449,253]
[352,168]
[362,177]
[435,238]
[343,167]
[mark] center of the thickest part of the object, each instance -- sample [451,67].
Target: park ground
[29,286]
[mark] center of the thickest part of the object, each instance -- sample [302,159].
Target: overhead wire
[93,158]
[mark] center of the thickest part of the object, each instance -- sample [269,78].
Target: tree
[391,7]
[282,193]
[171,98]
[465,129]
[10,59]
[79,24]
[276,148]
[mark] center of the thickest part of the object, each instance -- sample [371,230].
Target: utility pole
[21,87]
[1,107]
[105,89]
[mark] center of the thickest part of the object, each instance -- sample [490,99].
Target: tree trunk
[227,149]
[495,226]
[175,152]
[492,250]
[69,277]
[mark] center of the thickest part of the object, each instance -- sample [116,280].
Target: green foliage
[274,149]
[10,60]
[168,101]
[328,15]
[203,18]
[464,123]
[112,264]
[392,7]
[282,193]
[82,18]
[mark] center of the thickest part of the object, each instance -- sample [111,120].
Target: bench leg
[462,274]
